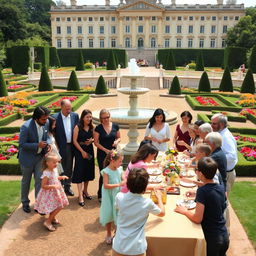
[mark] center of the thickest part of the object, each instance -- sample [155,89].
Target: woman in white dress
[158,131]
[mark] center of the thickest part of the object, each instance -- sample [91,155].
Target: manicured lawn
[243,201]
[232,99]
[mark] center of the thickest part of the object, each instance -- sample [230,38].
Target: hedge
[9,119]
[244,167]
[54,57]
[252,118]
[8,60]
[3,89]
[11,129]
[20,59]
[43,102]
[10,167]
[42,54]
[21,88]
[234,57]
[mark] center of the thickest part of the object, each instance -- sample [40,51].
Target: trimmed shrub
[204,83]
[111,62]
[252,60]
[42,54]
[80,62]
[234,57]
[38,65]
[45,82]
[88,65]
[175,86]
[54,57]
[170,62]
[20,59]
[226,84]
[73,84]
[248,85]
[192,65]
[101,87]
[3,89]
[8,60]
[200,62]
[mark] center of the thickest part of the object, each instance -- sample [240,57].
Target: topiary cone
[204,83]
[45,82]
[248,85]
[73,84]
[252,60]
[226,84]
[3,89]
[111,62]
[80,62]
[101,87]
[175,86]
[200,62]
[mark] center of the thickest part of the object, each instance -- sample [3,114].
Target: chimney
[107,2]
[73,2]
[220,2]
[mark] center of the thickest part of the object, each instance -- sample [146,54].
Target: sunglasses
[107,117]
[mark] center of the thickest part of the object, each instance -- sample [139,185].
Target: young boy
[210,205]
[133,210]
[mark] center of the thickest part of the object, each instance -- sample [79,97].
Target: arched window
[153,42]
[140,42]
[127,42]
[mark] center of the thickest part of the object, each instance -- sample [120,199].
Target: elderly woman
[203,130]
[106,137]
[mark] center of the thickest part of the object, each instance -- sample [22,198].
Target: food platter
[187,184]
[187,174]
[154,171]
[155,179]
[188,203]
[173,190]
[184,160]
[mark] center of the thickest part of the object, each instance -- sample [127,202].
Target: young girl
[51,197]
[112,174]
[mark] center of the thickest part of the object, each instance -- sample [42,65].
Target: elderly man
[203,130]
[214,140]
[65,123]
[219,124]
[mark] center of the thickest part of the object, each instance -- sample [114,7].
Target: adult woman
[181,135]
[84,155]
[106,137]
[158,131]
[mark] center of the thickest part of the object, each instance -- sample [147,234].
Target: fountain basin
[136,91]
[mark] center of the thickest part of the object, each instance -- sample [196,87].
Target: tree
[73,84]
[101,87]
[111,62]
[252,60]
[80,61]
[204,83]
[175,86]
[170,61]
[3,90]
[248,85]
[226,84]
[45,82]
[199,62]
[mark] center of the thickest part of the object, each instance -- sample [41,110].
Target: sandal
[108,240]
[88,197]
[50,227]
[56,222]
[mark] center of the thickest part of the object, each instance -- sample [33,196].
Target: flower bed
[250,114]
[7,151]
[240,138]
[14,137]
[206,101]
[247,100]
[56,104]
[18,87]
[249,153]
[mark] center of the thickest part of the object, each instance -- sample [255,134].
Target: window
[190,29]
[225,18]
[140,18]
[178,43]
[101,29]
[190,18]
[223,43]
[79,19]
[127,29]
[101,18]
[179,18]
[236,17]
[140,29]
[127,42]
[90,19]
[201,29]
[113,29]
[58,30]
[153,42]
[101,43]
[214,18]
[68,30]
[153,29]
[68,19]
[213,42]
[201,43]
[167,43]
[69,43]
[167,29]
[113,42]
[58,19]
[153,18]
[127,18]
[190,42]
[167,18]
[58,43]
[225,29]
[113,18]
[79,30]
[90,30]
[179,29]
[80,43]
[202,18]
[90,43]
[213,29]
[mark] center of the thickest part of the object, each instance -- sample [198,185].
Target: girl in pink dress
[51,197]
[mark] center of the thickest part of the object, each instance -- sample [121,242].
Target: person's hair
[112,155]
[214,138]
[157,112]
[137,180]
[143,143]
[207,166]
[51,121]
[204,148]
[221,119]
[40,111]
[188,114]
[103,111]
[63,102]
[143,153]
[48,157]
[81,120]
[206,127]
[199,122]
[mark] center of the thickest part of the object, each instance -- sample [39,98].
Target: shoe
[108,240]
[39,212]
[87,196]
[55,222]
[50,227]
[26,208]
[81,204]
[69,192]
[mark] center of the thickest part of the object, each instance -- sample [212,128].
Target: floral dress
[49,200]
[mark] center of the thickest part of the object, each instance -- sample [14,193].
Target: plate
[184,160]
[173,190]
[154,171]
[188,203]
[187,184]
[187,174]
[155,179]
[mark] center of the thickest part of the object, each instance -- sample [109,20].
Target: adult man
[65,123]
[203,130]
[219,124]
[32,147]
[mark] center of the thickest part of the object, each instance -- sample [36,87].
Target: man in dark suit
[65,123]
[32,147]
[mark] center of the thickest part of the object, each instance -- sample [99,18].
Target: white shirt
[40,133]
[133,211]
[164,133]
[229,147]
[67,127]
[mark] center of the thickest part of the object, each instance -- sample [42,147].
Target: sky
[247,3]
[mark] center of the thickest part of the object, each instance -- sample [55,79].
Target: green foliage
[175,86]
[54,57]
[200,62]
[42,55]
[73,84]
[3,90]
[20,59]
[226,84]
[111,62]
[204,83]
[45,82]
[80,62]
[252,60]
[234,57]
[30,41]
[88,65]
[248,85]
[101,87]
[192,65]
[2,57]
[170,61]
